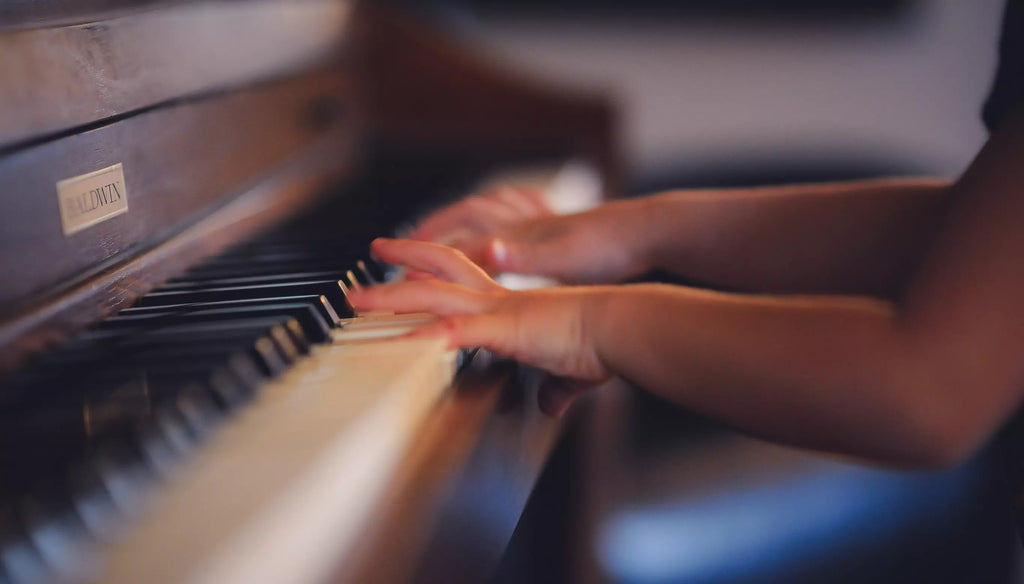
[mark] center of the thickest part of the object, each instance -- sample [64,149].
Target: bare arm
[857,237]
[925,380]
[922,380]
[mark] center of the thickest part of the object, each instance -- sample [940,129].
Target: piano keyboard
[300,407]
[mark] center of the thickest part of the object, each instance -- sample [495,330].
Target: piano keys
[180,383]
[142,391]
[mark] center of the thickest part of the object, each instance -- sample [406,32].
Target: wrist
[635,232]
[601,310]
[674,225]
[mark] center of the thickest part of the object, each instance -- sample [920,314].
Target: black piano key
[228,388]
[312,323]
[258,269]
[367,274]
[278,341]
[269,358]
[198,409]
[331,289]
[159,451]
[196,282]
[250,351]
[292,339]
[318,302]
[171,427]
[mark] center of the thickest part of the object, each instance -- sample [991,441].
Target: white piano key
[287,486]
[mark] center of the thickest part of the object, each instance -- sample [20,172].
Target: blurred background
[735,86]
[746,92]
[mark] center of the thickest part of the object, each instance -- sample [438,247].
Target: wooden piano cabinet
[201,177]
[454,504]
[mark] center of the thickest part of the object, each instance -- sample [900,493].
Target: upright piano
[188,193]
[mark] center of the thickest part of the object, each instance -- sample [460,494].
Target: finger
[431,296]
[489,331]
[477,214]
[447,263]
[418,275]
[486,214]
[439,223]
[527,202]
[473,246]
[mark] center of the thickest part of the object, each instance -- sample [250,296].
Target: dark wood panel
[453,504]
[26,13]
[55,78]
[275,195]
[176,162]
[424,91]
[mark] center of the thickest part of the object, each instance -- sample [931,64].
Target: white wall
[699,91]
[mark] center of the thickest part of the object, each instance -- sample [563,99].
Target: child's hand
[606,244]
[547,329]
[481,214]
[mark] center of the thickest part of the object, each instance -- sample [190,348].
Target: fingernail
[499,252]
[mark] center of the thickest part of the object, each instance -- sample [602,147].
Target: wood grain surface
[56,78]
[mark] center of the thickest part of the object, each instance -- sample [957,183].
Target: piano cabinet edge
[457,496]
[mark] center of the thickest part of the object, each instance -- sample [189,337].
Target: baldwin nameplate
[92,198]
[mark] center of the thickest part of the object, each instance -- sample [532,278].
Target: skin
[894,331]
[861,237]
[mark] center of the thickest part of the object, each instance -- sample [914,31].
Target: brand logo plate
[92,198]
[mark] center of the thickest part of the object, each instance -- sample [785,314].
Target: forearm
[860,237]
[830,373]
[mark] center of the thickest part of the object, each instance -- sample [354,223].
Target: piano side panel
[180,165]
[56,78]
[24,13]
[176,162]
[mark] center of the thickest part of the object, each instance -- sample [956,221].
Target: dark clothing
[1007,92]
[1008,88]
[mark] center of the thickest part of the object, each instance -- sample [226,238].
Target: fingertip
[497,252]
